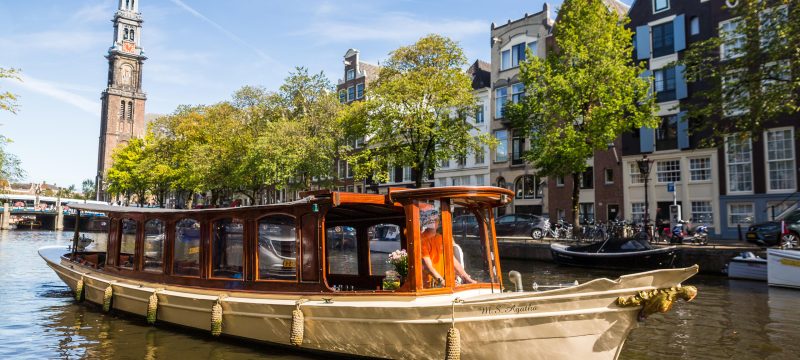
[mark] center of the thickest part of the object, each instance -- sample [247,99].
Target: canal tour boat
[270,273]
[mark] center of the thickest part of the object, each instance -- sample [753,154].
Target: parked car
[520,225]
[783,231]
[465,225]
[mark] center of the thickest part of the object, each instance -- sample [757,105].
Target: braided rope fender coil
[296,331]
[216,317]
[79,290]
[107,296]
[452,349]
[152,308]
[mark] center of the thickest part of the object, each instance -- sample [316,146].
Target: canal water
[40,320]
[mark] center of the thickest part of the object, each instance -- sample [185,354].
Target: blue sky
[199,52]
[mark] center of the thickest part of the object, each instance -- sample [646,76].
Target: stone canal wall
[713,259]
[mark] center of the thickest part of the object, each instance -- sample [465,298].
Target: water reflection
[39,319]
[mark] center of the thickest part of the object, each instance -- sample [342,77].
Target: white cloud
[56,40]
[60,93]
[391,27]
[94,13]
[225,31]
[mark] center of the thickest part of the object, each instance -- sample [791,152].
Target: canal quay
[40,319]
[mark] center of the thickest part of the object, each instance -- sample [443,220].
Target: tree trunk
[576,193]
[420,173]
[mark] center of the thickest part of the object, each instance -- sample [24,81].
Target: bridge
[46,213]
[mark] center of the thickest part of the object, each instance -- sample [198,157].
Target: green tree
[415,115]
[88,190]
[583,95]
[8,100]
[750,73]
[127,176]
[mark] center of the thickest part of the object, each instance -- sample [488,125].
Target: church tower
[122,116]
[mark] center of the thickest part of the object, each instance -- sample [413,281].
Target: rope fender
[79,290]
[452,349]
[107,297]
[152,307]
[296,331]
[216,316]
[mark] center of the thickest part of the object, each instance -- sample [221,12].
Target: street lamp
[645,165]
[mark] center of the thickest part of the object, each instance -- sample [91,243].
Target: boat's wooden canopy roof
[146,210]
[461,195]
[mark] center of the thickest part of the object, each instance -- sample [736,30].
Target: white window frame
[360,94]
[748,163]
[605,175]
[782,8]
[655,11]
[635,175]
[752,214]
[504,144]
[637,212]
[480,114]
[480,156]
[350,74]
[700,170]
[500,101]
[729,37]
[407,174]
[668,173]
[792,160]
[702,207]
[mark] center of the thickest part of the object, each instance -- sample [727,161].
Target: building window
[351,93]
[517,54]
[700,169]
[479,114]
[342,96]
[444,164]
[342,169]
[461,180]
[505,60]
[734,94]
[359,91]
[480,155]
[359,143]
[739,158]
[636,175]
[780,160]
[501,152]
[351,74]
[461,161]
[667,133]
[517,148]
[585,212]
[480,180]
[122,110]
[740,214]
[637,212]
[668,171]
[694,25]
[663,39]
[517,92]
[527,187]
[560,180]
[732,39]
[609,176]
[660,5]
[500,97]
[701,212]
[407,173]
[770,24]
[664,84]
[587,178]
[130,110]
[532,46]
[776,209]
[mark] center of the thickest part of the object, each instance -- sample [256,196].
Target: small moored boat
[616,253]
[272,274]
[748,266]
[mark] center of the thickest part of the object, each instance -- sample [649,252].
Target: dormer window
[351,74]
[660,5]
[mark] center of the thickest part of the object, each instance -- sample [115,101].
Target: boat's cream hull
[783,268]
[581,322]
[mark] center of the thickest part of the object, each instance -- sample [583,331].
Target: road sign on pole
[671,187]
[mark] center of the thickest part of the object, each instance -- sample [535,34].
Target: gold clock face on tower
[128,47]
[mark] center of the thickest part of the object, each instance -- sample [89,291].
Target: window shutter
[642,42]
[646,140]
[680,82]
[683,130]
[679,32]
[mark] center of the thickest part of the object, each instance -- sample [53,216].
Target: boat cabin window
[226,248]
[154,236]
[127,243]
[277,248]
[469,245]
[384,239]
[432,241]
[342,250]
[187,248]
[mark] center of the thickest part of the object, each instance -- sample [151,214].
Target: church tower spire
[122,116]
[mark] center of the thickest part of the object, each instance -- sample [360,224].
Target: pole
[77,232]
